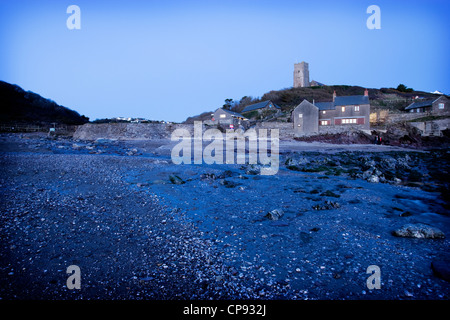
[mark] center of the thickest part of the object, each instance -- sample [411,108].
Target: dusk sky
[167,60]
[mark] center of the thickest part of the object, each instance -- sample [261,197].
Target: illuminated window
[343,109]
[441,106]
[356,108]
[323,112]
[223,115]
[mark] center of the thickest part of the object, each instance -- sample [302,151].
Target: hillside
[26,107]
[383,98]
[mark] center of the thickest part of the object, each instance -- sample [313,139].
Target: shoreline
[138,234]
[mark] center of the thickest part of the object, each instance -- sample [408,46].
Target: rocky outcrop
[420,231]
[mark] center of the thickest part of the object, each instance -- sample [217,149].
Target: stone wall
[129,131]
[286,129]
[397,117]
[433,128]
[151,131]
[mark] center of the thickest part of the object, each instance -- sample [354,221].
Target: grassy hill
[383,98]
[25,107]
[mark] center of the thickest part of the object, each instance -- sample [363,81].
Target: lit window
[347,121]
[356,108]
[223,115]
[441,106]
[343,109]
[323,112]
[324,122]
[300,115]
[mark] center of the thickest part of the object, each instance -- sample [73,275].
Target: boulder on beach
[274,214]
[176,179]
[419,231]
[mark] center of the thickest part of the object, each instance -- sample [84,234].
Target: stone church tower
[301,74]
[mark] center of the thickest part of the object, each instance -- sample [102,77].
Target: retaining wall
[129,131]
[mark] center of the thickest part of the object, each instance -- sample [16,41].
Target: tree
[228,104]
[402,88]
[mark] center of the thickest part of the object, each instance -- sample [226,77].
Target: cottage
[261,106]
[345,111]
[436,106]
[226,117]
[305,118]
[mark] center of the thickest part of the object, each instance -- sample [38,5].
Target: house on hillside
[228,118]
[345,111]
[305,118]
[260,107]
[340,114]
[436,106]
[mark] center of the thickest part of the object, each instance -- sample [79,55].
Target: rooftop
[351,100]
[420,104]
[233,113]
[259,105]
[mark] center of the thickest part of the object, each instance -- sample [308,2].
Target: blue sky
[167,60]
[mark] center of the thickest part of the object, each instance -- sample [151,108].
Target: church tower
[301,74]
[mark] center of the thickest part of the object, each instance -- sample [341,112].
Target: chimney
[366,92]
[334,95]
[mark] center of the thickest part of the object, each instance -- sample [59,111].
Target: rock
[402,163]
[327,205]
[176,179]
[76,146]
[373,179]
[275,214]
[225,174]
[104,141]
[369,164]
[253,170]
[329,193]
[405,214]
[367,174]
[408,294]
[147,279]
[142,184]
[296,162]
[441,268]
[208,176]
[228,184]
[419,231]
[388,163]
